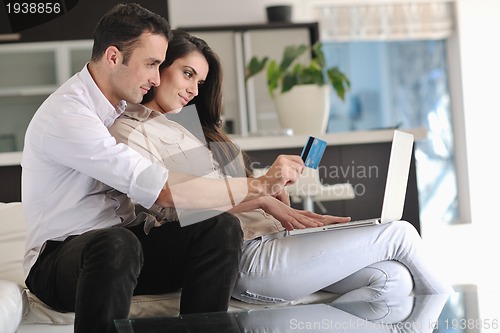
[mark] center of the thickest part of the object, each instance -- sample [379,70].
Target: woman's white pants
[360,264]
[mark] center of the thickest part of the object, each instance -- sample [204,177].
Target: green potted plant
[301,90]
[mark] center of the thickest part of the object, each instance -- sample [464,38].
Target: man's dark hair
[123,25]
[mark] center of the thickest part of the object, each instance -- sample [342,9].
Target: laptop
[395,188]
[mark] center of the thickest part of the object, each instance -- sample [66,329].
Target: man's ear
[113,56]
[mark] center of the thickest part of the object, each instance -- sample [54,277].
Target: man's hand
[285,170]
[188,191]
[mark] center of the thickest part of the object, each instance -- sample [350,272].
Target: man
[85,250]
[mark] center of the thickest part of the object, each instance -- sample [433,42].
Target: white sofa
[23,312]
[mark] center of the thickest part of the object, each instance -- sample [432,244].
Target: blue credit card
[313,152]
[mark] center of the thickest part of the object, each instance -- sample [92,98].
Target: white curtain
[350,21]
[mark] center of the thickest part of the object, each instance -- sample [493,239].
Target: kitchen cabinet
[30,73]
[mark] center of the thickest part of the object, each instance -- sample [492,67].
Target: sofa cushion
[12,240]
[150,306]
[38,312]
[11,306]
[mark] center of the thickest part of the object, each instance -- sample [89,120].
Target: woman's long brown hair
[208,102]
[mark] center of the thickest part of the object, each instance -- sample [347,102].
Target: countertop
[252,143]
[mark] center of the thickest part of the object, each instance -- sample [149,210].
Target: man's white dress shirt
[75,177]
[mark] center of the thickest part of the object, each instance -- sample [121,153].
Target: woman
[368,264]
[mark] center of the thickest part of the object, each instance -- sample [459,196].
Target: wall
[220,12]
[479,25]
[456,248]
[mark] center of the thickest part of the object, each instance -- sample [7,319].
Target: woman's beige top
[167,142]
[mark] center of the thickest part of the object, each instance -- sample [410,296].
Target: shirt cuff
[148,184]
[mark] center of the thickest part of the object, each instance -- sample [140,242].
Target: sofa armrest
[11,306]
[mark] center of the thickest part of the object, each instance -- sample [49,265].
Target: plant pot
[304,108]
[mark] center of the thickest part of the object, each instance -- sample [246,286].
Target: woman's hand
[284,197]
[291,218]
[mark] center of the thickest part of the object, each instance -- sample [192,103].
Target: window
[403,84]
[396,56]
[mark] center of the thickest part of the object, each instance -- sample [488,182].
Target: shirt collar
[104,109]
[140,112]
